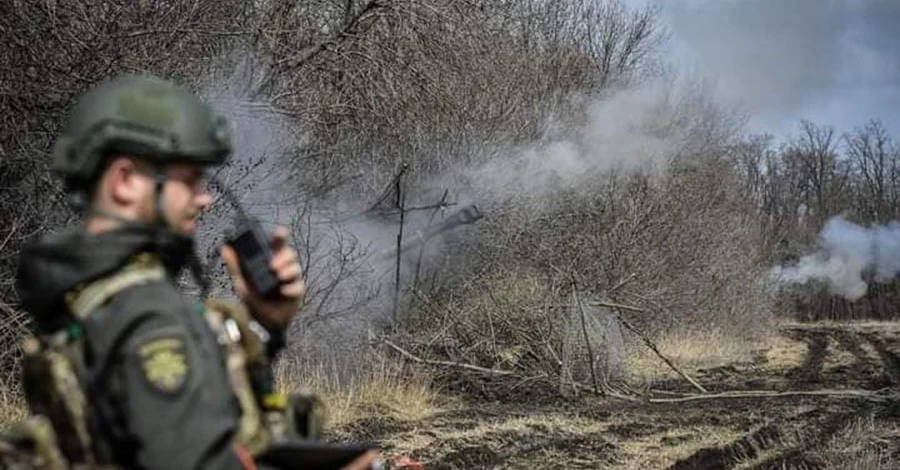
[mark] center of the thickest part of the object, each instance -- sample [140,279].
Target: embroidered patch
[164,363]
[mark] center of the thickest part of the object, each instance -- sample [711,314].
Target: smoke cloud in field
[849,257]
[351,285]
[833,62]
[260,138]
[635,128]
[631,129]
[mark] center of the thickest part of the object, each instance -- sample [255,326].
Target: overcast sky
[834,62]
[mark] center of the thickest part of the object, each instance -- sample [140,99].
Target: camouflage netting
[593,347]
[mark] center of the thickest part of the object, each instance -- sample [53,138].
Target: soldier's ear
[124,181]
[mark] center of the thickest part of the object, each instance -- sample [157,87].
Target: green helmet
[143,116]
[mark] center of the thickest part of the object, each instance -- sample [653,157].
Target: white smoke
[351,287]
[631,129]
[849,257]
[259,137]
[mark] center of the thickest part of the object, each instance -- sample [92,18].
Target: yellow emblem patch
[164,363]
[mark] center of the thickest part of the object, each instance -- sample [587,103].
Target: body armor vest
[60,434]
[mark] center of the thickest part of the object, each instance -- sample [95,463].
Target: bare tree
[875,159]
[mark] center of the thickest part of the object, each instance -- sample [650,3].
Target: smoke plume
[351,286]
[849,257]
[631,129]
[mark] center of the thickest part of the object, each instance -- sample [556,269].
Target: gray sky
[834,62]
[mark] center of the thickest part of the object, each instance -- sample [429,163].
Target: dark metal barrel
[467,215]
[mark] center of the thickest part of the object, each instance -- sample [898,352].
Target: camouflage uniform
[152,379]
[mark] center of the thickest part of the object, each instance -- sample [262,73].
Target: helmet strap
[95,211]
[160,178]
[198,271]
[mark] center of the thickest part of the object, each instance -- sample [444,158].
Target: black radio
[254,250]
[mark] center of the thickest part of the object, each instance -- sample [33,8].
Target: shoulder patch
[164,363]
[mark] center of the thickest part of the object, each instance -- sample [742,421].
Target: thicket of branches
[819,173]
[442,86]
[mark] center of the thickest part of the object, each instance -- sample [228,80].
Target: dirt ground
[855,425]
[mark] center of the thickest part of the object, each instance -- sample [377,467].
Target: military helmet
[143,116]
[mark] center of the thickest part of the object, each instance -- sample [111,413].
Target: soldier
[160,390]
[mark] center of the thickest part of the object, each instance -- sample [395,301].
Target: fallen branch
[598,303]
[640,334]
[608,391]
[461,365]
[865,394]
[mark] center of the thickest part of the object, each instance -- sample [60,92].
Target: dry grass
[12,409]
[862,446]
[690,351]
[783,353]
[384,389]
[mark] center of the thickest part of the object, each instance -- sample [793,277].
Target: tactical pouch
[57,436]
[305,416]
[53,390]
[245,361]
[267,416]
[31,445]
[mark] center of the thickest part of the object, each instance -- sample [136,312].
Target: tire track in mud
[792,432]
[749,446]
[811,368]
[798,439]
[721,458]
[817,340]
[851,343]
[801,455]
[504,447]
[889,359]
[800,445]
[866,371]
[794,459]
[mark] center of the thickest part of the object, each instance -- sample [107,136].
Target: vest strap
[143,269]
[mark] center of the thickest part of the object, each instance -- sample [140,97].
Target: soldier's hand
[364,462]
[275,313]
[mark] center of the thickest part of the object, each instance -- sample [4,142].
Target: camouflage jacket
[158,378]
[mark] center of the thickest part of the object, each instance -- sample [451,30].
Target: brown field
[827,397]
[853,424]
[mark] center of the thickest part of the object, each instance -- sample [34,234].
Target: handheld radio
[254,250]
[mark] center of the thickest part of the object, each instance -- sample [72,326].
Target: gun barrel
[467,215]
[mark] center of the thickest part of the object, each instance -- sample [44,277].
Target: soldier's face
[185,196]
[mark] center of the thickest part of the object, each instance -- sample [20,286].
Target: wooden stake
[587,339]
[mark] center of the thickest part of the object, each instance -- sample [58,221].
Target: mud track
[735,433]
[721,457]
[811,369]
[890,358]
